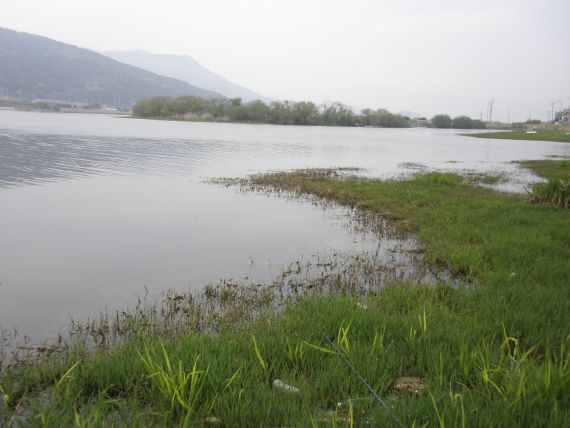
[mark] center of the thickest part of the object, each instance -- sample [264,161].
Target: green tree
[337,114]
[305,113]
[389,120]
[366,117]
[218,108]
[462,122]
[442,121]
[280,112]
[479,124]
[257,111]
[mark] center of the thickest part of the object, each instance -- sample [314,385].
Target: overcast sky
[422,56]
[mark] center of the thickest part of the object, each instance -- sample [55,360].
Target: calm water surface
[94,208]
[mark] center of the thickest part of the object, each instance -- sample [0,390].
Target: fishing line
[371,389]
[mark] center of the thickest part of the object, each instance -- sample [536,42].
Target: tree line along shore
[286,113]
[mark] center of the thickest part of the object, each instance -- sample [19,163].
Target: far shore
[558,134]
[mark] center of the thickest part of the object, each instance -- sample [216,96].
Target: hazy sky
[422,56]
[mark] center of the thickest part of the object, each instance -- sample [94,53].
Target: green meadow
[562,135]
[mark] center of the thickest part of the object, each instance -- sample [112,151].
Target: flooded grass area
[384,256]
[497,180]
[95,208]
[308,349]
[559,169]
[556,189]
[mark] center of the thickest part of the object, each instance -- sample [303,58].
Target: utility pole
[490,110]
[508,115]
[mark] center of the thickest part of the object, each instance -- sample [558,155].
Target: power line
[522,105]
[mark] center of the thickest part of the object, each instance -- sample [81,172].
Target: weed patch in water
[556,190]
[439,178]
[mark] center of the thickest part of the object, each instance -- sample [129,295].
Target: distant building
[564,117]
[420,122]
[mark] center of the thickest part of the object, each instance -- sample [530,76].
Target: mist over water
[95,209]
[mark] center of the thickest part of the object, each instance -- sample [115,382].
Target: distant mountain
[35,67]
[187,69]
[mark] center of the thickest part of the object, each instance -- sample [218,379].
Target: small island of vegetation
[277,112]
[192,108]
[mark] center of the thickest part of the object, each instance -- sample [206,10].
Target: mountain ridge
[187,69]
[36,67]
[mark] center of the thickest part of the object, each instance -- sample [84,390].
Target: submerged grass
[556,190]
[552,169]
[495,354]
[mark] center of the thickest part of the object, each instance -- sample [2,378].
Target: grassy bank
[561,135]
[494,351]
[556,190]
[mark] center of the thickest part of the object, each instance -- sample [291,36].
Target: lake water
[95,209]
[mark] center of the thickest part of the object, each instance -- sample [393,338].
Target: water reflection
[38,147]
[35,159]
